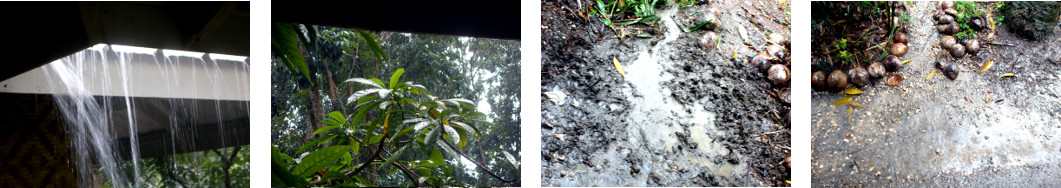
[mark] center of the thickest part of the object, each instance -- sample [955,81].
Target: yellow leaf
[789,182]
[734,55]
[618,66]
[856,104]
[844,100]
[782,2]
[986,66]
[933,73]
[849,111]
[1007,75]
[907,61]
[853,91]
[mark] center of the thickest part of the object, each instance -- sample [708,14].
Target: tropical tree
[374,121]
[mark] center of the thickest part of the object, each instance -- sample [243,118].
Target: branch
[473,161]
[415,178]
[369,160]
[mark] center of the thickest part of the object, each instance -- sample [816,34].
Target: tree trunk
[337,103]
[317,112]
[482,160]
[1031,20]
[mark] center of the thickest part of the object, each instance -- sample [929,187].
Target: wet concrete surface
[683,115]
[976,130]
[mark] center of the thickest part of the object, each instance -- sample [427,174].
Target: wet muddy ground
[976,130]
[683,115]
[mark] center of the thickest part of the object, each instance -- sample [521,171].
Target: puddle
[682,115]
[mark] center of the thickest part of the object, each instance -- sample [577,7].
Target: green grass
[619,13]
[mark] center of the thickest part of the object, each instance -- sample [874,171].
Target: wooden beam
[240,13]
[91,19]
[215,22]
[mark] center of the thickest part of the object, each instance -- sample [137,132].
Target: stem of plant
[455,149]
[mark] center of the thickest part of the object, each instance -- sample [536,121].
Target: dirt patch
[683,115]
[976,130]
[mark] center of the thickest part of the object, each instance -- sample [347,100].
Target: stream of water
[100,94]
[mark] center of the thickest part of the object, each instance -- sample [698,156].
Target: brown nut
[859,76]
[898,49]
[837,80]
[876,70]
[892,63]
[817,80]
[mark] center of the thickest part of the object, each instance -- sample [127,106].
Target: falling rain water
[111,95]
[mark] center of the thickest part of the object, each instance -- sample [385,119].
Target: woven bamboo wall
[34,150]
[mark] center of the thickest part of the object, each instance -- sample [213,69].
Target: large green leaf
[325,129]
[374,139]
[432,137]
[338,116]
[511,159]
[395,156]
[465,127]
[363,110]
[319,159]
[285,44]
[437,159]
[337,176]
[314,143]
[372,44]
[370,82]
[394,78]
[354,146]
[282,178]
[453,135]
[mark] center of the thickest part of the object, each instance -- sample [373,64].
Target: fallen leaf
[556,96]
[895,80]
[849,112]
[856,104]
[987,66]
[907,61]
[848,135]
[853,91]
[933,73]
[844,100]
[743,33]
[987,98]
[1007,75]
[734,55]
[562,137]
[618,66]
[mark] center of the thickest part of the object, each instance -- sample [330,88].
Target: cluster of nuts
[859,77]
[774,60]
[947,25]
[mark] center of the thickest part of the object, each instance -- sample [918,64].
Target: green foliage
[192,169]
[843,55]
[285,42]
[683,3]
[627,12]
[416,128]
[483,70]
